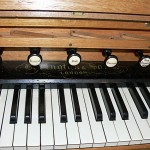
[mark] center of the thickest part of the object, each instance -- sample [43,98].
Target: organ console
[74,74]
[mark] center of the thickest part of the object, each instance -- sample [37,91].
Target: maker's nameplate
[60,70]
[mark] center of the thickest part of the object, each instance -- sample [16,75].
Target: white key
[59,128]
[142,123]
[109,128]
[148,86]
[33,138]
[47,137]
[20,133]
[96,126]
[148,119]
[6,139]
[131,124]
[3,98]
[71,125]
[84,126]
[120,125]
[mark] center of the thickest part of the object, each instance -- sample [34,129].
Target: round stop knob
[144,60]
[73,58]
[110,60]
[34,59]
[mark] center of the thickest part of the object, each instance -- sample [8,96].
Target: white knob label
[111,62]
[145,62]
[74,60]
[34,60]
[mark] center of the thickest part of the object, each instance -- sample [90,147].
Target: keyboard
[60,116]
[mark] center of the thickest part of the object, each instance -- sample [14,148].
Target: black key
[63,112]
[28,106]
[15,104]
[120,103]
[76,107]
[145,93]
[138,101]
[42,115]
[95,103]
[107,101]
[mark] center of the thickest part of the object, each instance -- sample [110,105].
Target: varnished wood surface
[133,147]
[48,54]
[74,15]
[77,38]
[73,23]
[62,56]
[111,6]
[75,43]
[69,32]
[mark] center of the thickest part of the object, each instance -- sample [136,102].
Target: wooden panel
[60,54]
[75,42]
[134,147]
[63,38]
[82,33]
[73,15]
[111,6]
[73,23]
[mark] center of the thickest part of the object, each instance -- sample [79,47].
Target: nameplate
[61,70]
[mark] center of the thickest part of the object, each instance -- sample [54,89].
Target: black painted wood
[15,104]
[138,101]
[75,101]
[28,105]
[120,103]
[63,112]
[108,103]
[60,72]
[42,114]
[145,93]
[95,103]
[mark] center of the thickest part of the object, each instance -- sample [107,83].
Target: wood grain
[74,15]
[111,6]
[48,54]
[73,23]
[74,42]
[133,147]
[77,38]
[67,32]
